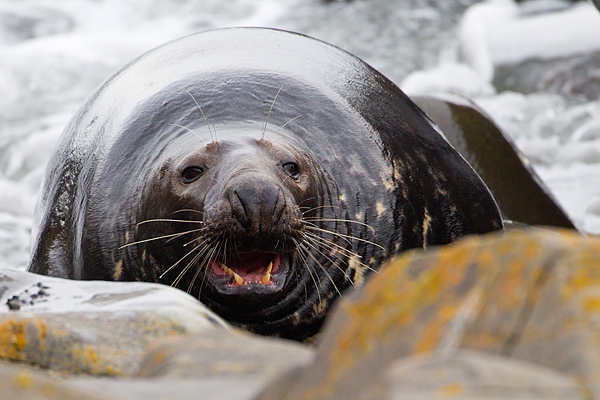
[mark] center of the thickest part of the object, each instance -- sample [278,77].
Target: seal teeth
[238,279]
[267,277]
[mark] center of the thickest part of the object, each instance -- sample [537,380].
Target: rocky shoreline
[511,315]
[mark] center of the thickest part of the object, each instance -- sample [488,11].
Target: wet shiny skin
[374,177]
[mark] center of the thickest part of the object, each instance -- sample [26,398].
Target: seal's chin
[251,273]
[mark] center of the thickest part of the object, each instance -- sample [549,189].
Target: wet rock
[529,295]
[91,327]
[578,76]
[560,54]
[520,193]
[27,22]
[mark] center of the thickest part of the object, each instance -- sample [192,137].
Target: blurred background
[534,66]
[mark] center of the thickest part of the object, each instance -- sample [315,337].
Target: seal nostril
[241,201]
[279,206]
[257,206]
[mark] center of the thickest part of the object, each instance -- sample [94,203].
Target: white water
[53,53]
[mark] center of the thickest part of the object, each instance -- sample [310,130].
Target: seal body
[262,171]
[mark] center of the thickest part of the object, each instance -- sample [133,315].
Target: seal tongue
[255,267]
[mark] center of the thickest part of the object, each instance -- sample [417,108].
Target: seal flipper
[519,192]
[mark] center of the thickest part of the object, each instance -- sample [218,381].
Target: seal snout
[258,205]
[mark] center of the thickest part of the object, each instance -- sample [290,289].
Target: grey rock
[213,365]
[470,375]
[92,327]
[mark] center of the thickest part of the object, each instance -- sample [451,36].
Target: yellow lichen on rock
[13,339]
[23,380]
[531,294]
[452,389]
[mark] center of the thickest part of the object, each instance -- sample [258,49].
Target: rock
[475,375]
[213,365]
[520,193]
[531,295]
[217,354]
[106,330]
[511,315]
[30,21]
[23,382]
[560,53]
[91,327]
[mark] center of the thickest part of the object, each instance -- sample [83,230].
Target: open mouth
[252,268]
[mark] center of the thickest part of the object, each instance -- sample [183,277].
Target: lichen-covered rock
[475,375]
[241,362]
[23,382]
[100,328]
[500,316]
[217,354]
[532,295]
[215,364]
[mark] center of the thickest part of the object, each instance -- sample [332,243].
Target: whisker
[331,245]
[213,137]
[315,228]
[283,126]
[185,269]
[185,233]
[188,243]
[187,210]
[190,264]
[189,130]
[301,247]
[314,244]
[322,267]
[201,244]
[311,272]
[198,269]
[168,220]
[171,235]
[269,113]
[301,261]
[317,219]
[319,207]
[344,251]
[205,265]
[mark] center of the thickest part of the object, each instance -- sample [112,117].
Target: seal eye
[190,174]
[292,169]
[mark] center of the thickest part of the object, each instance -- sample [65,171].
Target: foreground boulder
[115,340]
[101,328]
[531,295]
[213,365]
